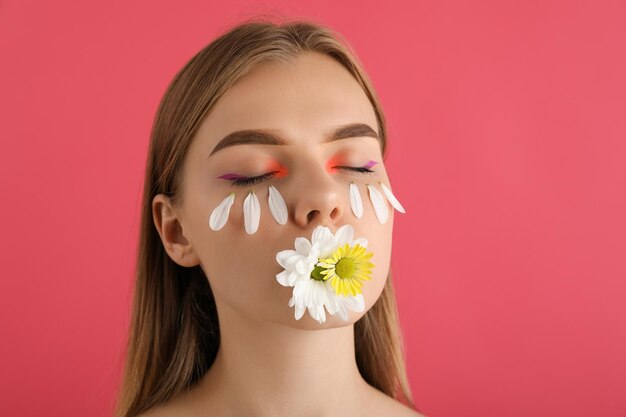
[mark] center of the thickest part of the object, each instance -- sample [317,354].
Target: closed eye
[357,169]
[241,182]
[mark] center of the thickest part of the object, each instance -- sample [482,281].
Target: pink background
[507,125]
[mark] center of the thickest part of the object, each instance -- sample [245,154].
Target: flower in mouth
[326,272]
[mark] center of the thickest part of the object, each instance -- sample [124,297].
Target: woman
[268,137]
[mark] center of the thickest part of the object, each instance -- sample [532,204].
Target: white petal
[251,213]
[288,278]
[320,293]
[300,290]
[288,258]
[343,312]
[356,302]
[303,246]
[327,249]
[321,234]
[284,256]
[298,299]
[299,311]
[317,312]
[380,206]
[344,235]
[392,199]
[361,241]
[360,302]
[355,200]
[316,300]
[331,302]
[219,215]
[305,265]
[339,304]
[309,295]
[283,278]
[323,242]
[294,277]
[277,204]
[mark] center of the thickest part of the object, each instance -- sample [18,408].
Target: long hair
[174,332]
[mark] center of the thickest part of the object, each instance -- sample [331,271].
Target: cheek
[241,268]
[379,243]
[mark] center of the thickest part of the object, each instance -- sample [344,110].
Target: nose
[318,198]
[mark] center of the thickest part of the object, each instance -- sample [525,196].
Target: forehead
[303,100]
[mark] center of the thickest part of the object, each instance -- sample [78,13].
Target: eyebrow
[266,137]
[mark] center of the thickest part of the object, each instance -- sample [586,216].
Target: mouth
[326,271]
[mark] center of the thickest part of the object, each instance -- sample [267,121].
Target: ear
[166,220]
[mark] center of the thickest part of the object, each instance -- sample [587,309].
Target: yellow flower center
[345,268]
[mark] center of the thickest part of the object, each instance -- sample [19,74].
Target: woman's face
[300,103]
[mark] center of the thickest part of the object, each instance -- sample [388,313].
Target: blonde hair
[174,331]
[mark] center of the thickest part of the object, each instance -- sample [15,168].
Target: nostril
[311,215]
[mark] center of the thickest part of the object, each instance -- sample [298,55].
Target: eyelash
[241,182]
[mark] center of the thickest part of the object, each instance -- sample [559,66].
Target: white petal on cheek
[219,215]
[392,199]
[251,213]
[277,205]
[380,206]
[355,201]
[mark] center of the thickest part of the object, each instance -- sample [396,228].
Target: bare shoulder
[380,404]
[383,405]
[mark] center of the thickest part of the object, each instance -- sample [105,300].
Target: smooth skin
[269,364]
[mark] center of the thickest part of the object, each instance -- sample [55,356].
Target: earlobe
[171,231]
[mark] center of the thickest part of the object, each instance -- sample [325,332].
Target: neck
[268,369]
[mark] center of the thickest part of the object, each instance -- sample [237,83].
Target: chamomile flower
[313,280]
